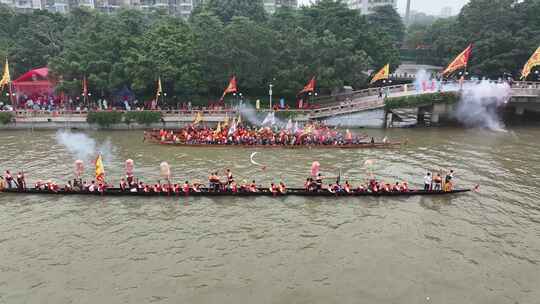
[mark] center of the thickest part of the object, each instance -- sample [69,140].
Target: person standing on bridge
[380,92]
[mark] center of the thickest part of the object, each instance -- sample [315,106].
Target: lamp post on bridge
[270,86]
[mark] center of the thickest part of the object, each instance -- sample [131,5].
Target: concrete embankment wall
[79,122]
[366,119]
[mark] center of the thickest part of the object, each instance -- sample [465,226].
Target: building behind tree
[181,8]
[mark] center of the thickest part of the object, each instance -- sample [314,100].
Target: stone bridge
[525,95]
[365,108]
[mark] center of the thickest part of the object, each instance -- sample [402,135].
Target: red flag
[231,88]
[310,87]
[461,61]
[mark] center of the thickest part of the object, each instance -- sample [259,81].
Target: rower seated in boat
[233,186]
[347,187]
[123,184]
[331,188]
[319,182]
[130,178]
[361,189]
[186,187]
[396,187]
[282,188]
[101,187]
[68,187]
[156,188]
[77,184]
[92,187]
[196,187]
[53,187]
[273,188]
[307,184]
[404,187]
[253,187]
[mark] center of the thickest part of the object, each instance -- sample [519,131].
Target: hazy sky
[426,6]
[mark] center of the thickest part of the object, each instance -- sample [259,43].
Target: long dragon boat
[153,137]
[387,145]
[261,192]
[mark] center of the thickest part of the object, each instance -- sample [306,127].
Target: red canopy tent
[34,82]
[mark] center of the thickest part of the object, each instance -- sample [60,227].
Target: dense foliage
[420,100]
[142,117]
[504,34]
[5,118]
[104,119]
[196,57]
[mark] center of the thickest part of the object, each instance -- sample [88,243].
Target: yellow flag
[100,169]
[308,130]
[159,88]
[382,74]
[6,78]
[226,120]
[198,118]
[218,128]
[533,61]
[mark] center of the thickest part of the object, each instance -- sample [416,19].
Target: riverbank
[290,250]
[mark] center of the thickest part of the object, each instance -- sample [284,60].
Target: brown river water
[473,248]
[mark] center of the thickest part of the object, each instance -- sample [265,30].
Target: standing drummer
[319,182]
[229,176]
[427,182]
[9,179]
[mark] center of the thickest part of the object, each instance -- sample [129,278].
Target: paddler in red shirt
[347,187]
[253,187]
[273,189]
[185,188]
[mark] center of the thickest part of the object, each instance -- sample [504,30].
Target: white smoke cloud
[479,103]
[83,147]
[250,114]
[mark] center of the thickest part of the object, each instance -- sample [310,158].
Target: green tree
[209,51]
[249,52]
[38,39]
[385,19]
[166,50]
[504,34]
[227,9]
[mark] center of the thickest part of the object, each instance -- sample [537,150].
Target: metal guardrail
[332,100]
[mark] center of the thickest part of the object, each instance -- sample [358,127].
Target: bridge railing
[346,108]
[326,101]
[338,99]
